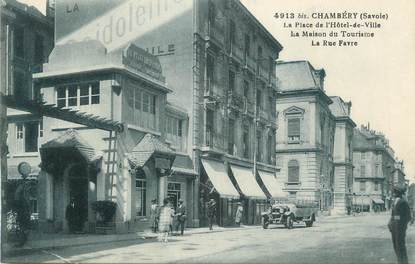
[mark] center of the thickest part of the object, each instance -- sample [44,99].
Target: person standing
[211,211]
[154,215]
[181,217]
[166,215]
[239,213]
[398,223]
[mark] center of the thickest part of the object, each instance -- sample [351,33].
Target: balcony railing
[236,52]
[235,100]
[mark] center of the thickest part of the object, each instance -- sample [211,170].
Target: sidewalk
[51,241]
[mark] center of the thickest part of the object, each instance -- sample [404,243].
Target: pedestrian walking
[170,203]
[165,217]
[154,214]
[398,223]
[239,213]
[181,217]
[211,212]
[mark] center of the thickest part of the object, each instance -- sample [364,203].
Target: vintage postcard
[207,131]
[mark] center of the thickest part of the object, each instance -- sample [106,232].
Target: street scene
[351,239]
[196,131]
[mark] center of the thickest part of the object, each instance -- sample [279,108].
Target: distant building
[343,155]
[374,165]
[27,38]
[305,136]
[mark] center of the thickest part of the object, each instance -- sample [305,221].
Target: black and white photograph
[207,131]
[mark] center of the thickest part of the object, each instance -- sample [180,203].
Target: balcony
[235,101]
[216,34]
[248,107]
[250,64]
[236,53]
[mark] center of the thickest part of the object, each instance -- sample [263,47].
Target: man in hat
[181,217]
[398,223]
[211,212]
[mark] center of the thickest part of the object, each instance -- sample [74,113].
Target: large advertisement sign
[113,22]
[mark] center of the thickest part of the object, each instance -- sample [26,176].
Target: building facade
[374,166]
[305,137]
[343,155]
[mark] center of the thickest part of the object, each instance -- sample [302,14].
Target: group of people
[162,218]
[211,213]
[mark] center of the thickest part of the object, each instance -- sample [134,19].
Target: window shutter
[294,127]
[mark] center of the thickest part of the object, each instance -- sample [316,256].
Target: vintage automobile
[290,212]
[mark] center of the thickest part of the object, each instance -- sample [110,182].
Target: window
[79,94]
[209,127]
[231,81]
[259,146]
[245,142]
[146,103]
[362,186]
[38,49]
[72,95]
[259,53]
[293,126]
[293,171]
[210,71]
[376,186]
[140,187]
[231,133]
[19,42]
[31,130]
[137,99]
[152,104]
[259,99]
[19,131]
[20,84]
[232,33]
[246,89]
[180,128]
[377,170]
[270,149]
[247,45]
[363,155]
[362,170]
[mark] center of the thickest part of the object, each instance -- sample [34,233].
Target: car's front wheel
[290,222]
[265,223]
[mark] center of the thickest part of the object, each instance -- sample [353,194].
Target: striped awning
[217,174]
[272,185]
[247,182]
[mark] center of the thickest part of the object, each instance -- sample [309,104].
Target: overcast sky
[378,76]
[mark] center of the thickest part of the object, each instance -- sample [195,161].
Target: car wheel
[265,224]
[290,222]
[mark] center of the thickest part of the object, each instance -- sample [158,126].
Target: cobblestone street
[359,239]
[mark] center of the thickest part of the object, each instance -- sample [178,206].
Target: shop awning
[146,148]
[183,165]
[272,185]
[247,183]
[217,174]
[378,201]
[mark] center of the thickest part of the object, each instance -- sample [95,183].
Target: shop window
[293,171]
[174,193]
[141,189]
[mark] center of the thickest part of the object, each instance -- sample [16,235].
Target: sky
[378,76]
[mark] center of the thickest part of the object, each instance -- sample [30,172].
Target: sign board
[162,163]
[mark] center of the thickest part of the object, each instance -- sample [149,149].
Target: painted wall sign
[113,22]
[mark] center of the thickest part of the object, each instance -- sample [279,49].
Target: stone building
[374,165]
[306,133]
[27,38]
[343,155]
[219,62]
[140,157]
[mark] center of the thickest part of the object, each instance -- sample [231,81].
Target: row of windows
[174,126]
[75,95]
[141,101]
[378,172]
[362,186]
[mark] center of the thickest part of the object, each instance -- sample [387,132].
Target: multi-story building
[305,137]
[219,62]
[374,165]
[26,41]
[343,154]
